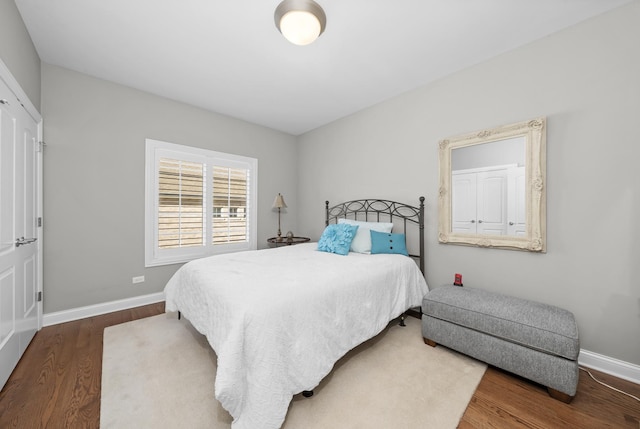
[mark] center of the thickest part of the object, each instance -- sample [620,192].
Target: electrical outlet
[138,279]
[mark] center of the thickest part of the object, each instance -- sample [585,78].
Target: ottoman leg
[430,342]
[560,396]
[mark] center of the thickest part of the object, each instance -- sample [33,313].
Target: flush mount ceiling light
[300,21]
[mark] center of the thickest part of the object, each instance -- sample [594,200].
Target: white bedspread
[279,319]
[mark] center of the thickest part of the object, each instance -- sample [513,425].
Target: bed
[279,319]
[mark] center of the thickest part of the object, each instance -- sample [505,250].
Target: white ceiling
[228,56]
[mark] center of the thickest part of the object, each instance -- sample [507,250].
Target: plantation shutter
[230,204]
[181,204]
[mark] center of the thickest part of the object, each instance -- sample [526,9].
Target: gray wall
[501,152]
[17,51]
[585,81]
[94,181]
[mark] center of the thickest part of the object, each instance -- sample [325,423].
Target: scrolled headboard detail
[377,210]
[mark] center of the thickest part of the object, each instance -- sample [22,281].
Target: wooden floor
[57,385]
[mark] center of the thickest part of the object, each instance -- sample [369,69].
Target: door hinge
[39,221]
[40,146]
[39,296]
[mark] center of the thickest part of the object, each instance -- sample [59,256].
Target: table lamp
[279,204]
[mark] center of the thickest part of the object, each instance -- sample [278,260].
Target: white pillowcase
[362,241]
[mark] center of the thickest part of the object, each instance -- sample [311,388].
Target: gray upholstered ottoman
[536,341]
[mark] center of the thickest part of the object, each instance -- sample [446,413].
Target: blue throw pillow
[386,242]
[337,238]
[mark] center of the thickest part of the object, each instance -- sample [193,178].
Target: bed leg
[307,393]
[179,315]
[402,317]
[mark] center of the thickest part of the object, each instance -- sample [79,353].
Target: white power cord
[610,387]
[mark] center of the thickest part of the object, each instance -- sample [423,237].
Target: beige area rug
[159,373]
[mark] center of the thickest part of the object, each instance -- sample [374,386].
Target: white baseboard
[608,365]
[49,319]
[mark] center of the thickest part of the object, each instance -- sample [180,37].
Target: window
[198,203]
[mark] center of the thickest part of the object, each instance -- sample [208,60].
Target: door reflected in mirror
[492,190]
[488,188]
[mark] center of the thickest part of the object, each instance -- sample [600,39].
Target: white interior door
[492,202]
[20,311]
[463,202]
[517,202]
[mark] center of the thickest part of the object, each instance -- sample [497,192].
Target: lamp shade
[300,21]
[279,203]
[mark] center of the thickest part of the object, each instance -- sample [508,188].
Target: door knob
[22,241]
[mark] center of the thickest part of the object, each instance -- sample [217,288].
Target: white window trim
[154,150]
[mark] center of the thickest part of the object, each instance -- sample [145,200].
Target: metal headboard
[371,210]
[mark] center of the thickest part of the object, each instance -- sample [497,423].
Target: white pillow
[362,241]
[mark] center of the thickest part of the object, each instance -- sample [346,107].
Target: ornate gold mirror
[492,187]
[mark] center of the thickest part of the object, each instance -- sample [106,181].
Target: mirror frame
[534,240]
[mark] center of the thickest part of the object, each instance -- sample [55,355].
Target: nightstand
[284,241]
